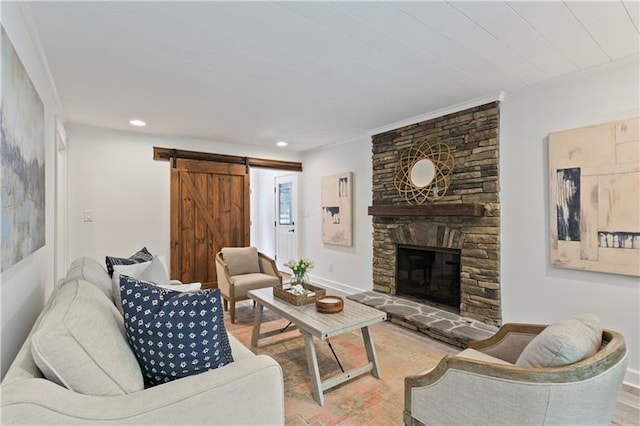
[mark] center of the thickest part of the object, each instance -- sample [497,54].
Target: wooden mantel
[464,209]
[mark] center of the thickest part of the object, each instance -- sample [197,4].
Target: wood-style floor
[628,407]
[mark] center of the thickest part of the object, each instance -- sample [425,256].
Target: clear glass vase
[299,277]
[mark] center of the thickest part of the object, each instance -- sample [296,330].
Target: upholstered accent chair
[488,384]
[241,269]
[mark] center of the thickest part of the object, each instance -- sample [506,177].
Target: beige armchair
[482,385]
[241,269]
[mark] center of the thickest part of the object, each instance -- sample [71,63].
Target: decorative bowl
[329,304]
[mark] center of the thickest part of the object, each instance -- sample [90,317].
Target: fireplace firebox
[429,274]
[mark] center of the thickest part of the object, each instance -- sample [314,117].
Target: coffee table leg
[257,320]
[371,352]
[314,371]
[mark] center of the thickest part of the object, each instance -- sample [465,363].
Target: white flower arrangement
[300,268]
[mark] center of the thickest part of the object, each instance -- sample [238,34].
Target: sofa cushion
[241,260]
[174,334]
[81,343]
[564,342]
[140,256]
[156,272]
[135,270]
[139,272]
[183,288]
[90,270]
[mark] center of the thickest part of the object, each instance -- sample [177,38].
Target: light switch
[88,215]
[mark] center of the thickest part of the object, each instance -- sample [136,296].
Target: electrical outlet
[330,267]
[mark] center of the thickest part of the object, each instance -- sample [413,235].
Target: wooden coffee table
[312,323]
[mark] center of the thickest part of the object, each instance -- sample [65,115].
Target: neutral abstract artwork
[22,161]
[594,177]
[335,193]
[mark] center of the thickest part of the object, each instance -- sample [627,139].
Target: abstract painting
[568,204]
[22,161]
[335,193]
[594,177]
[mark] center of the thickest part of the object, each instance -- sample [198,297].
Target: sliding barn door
[209,210]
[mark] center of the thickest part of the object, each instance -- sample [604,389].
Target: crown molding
[439,113]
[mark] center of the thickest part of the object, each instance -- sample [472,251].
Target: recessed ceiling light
[138,123]
[281,143]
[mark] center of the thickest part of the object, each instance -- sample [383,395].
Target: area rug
[362,401]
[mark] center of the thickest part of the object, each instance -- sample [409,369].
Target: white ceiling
[311,73]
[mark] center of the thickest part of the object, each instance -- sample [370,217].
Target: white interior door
[286,202]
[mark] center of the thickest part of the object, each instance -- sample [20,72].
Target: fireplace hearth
[429,274]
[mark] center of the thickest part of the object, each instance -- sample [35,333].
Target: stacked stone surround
[472,136]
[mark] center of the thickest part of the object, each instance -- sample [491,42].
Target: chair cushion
[174,334]
[481,356]
[81,343]
[564,342]
[140,256]
[245,282]
[241,260]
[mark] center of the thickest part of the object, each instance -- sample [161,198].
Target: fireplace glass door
[429,274]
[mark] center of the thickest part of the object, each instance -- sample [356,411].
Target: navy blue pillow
[173,334]
[140,256]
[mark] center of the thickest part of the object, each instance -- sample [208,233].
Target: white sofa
[248,391]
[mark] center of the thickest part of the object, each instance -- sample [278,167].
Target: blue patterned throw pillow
[173,334]
[140,256]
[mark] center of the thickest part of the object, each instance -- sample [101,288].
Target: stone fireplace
[466,221]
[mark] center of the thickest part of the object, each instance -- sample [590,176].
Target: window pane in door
[284,203]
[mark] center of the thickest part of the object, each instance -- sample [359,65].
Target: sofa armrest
[247,391]
[508,342]
[268,266]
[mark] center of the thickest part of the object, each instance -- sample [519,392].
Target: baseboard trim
[632,378]
[347,289]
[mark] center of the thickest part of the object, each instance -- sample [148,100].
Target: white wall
[25,285]
[532,290]
[113,174]
[351,266]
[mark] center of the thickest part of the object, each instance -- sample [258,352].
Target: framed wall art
[594,179]
[336,203]
[22,165]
